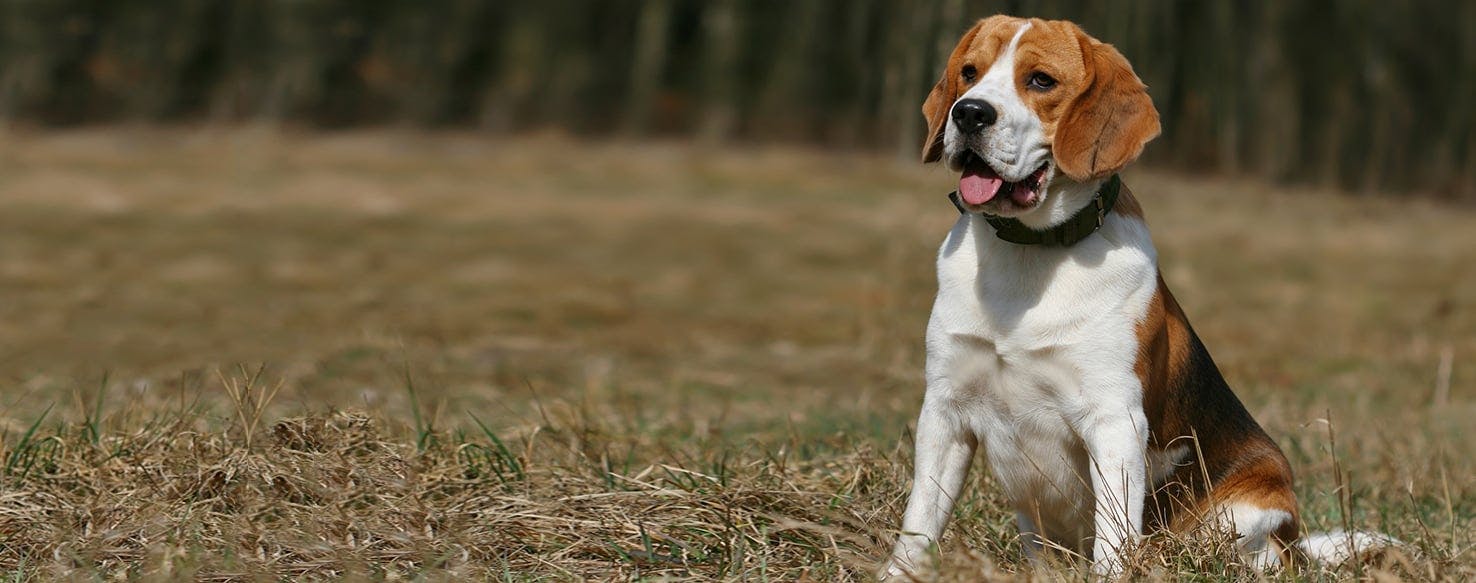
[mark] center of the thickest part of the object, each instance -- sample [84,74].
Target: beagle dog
[1054,341]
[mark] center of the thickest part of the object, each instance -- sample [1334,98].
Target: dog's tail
[1336,547]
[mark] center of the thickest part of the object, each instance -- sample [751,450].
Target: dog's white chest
[1016,340]
[1019,403]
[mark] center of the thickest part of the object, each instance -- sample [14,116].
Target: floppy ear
[945,92]
[1107,126]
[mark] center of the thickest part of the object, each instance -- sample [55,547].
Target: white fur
[1337,546]
[1253,527]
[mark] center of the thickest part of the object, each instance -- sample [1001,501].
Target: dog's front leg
[945,447]
[1116,438]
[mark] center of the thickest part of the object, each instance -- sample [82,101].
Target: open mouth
[980,184]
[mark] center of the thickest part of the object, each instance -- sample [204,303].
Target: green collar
[1081,225]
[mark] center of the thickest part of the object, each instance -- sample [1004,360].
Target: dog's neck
[1069,213]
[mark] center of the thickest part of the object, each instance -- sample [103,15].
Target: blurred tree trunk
[1276,114]
[564,71]
[1467,177]
[1331,150]
[1377,145]
[523,54]
[1463,127]
[951,27]
[858,65]
[720,71]
[1227,77]
[237,94]
[784,102]
[650,61]
[1185,110]
[907,75]
[25,52]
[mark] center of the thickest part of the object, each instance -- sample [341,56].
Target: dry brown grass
[544,359]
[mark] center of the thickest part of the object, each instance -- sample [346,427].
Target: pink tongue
[976,188]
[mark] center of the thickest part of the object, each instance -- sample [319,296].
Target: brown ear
[945,92]
[1107,126]
[935,110]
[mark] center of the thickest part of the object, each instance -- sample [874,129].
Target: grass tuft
[496,459]
[250,396]
[28,451]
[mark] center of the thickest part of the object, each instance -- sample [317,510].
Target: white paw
[893,571]
[908,560]
[1109,567]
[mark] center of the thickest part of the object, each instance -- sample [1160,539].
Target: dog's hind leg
[1261,533]
[1258,503]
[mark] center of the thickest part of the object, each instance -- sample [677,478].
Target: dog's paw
[1109,568]
[912,557]
[897,569]
[892,572]
[904,566]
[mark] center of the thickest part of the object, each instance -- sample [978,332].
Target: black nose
[972,115]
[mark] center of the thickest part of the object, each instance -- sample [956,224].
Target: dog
[1054,340]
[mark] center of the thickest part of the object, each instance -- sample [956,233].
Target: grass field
[239,354]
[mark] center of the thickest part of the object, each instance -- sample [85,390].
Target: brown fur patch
[1188,403]
[1110,121]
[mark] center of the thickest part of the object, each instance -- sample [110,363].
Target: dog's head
[1027,106]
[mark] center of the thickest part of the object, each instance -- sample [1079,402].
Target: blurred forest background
[1356,94]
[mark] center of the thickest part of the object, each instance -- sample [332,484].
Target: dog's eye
[969,73]
[1041,81]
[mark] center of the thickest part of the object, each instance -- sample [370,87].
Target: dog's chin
[983,189]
